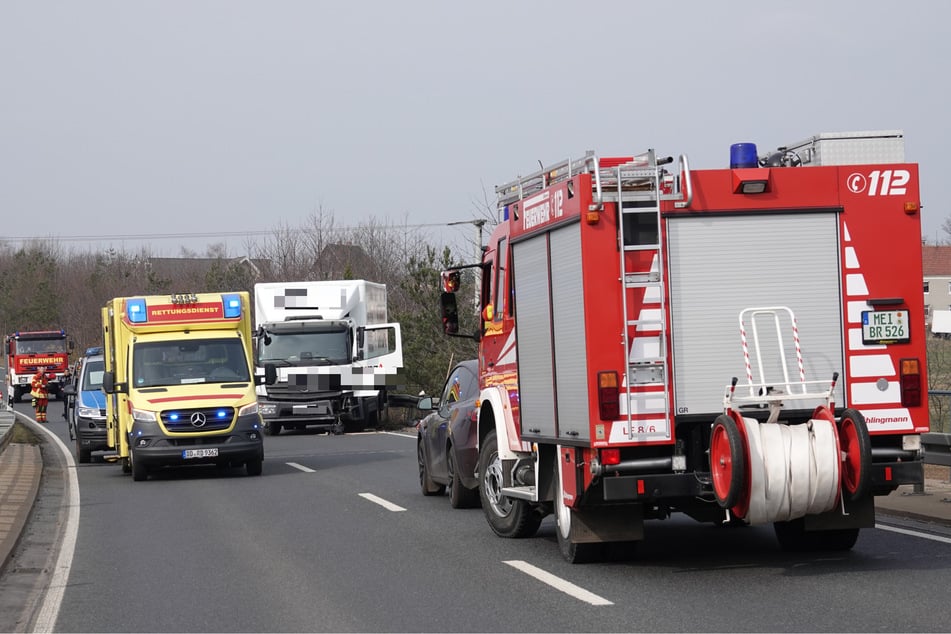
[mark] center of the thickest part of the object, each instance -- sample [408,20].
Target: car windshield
[92,375]
[201,361]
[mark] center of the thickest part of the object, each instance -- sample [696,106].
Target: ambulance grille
[197,420]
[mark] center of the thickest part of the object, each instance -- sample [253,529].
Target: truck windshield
[176,363]
[39,346]
[306,348]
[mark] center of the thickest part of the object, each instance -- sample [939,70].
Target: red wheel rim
[721,462]
[852,460]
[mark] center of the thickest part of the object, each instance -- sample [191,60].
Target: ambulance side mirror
[270,374]
[108,382]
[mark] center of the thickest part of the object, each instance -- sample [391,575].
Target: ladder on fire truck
[636,186]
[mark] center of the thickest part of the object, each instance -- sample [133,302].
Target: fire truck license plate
[885,326]
[200,453]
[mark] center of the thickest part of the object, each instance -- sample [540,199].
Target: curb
[21,466]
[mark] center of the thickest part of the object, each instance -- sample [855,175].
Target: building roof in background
[936,260]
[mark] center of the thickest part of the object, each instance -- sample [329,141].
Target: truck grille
[197,420]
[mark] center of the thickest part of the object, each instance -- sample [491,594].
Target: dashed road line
[905,531]
[558,583]
[301,467]
[389,506]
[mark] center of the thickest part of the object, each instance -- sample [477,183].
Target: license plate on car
[885,326]
[211,452]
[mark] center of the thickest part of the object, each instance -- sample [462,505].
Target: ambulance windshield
[162,363]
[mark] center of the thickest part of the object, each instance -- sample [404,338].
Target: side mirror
[425,403]
[270,374]
[449,313]
[108,382]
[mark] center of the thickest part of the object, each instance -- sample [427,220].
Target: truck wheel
[507,517]
[139,471]
[727,461]
[426,483]
[272,428]
[793,537]
[82,455]
[855,444]
[573,553]
[254,467]
[459,496]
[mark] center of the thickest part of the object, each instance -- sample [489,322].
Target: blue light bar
[232,305]
[221,413]
[505,213]
[173,416]
[743,155]
[135,310]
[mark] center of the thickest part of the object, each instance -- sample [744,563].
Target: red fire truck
[742,345]
[29,350]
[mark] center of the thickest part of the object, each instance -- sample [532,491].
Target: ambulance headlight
[143,415]
[248,410]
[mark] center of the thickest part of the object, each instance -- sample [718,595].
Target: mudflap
[615,523]
[858,514]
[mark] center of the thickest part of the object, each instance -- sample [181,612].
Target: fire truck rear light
[610,456]
[911,442]
[750,181]
[608,398]
[911,208]
[910,383]
[592,217]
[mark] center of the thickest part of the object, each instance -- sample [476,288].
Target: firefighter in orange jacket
[39,389]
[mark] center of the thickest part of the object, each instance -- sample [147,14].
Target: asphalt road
[335,536]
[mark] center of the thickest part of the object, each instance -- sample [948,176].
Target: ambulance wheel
[793,537]
[254,467]
[82,455]
[507,517]
[272,428]
[459,496]
[727,461]
[426,483]
[573,553]
[139,471]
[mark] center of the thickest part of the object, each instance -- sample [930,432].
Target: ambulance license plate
[211,452]
[885,326]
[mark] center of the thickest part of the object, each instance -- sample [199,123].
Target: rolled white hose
[794,470]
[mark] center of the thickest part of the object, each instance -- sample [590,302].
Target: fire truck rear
[740,345]
[29,350]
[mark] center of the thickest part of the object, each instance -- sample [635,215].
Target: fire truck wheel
[272,428]
[426,483]
[727,461]
[793,537]
[459,496]
[573,552]
[508,517]
[139,471]
[857,447]
[82,455]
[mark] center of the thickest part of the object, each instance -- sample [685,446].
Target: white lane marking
[396,433]
[389,506]
[301,467]
[558,583]
[905,531]
[53,600]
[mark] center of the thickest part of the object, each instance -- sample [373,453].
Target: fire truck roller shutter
[720,265]
[553,394]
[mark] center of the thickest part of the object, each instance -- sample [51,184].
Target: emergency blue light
[173,416]
[743,155]
[221,413]
[505,213]
[232,302]
[135,310]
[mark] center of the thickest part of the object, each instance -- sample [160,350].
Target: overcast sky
[135,118]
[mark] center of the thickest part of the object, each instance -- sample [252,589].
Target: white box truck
[327,354]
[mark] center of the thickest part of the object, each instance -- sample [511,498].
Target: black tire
[140,472]
[254,467]
[572,552]
[727,461]
[272,428]
[792,537]
[855,442]
[506,516]
[426,484]
[83,456]
[459,496]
